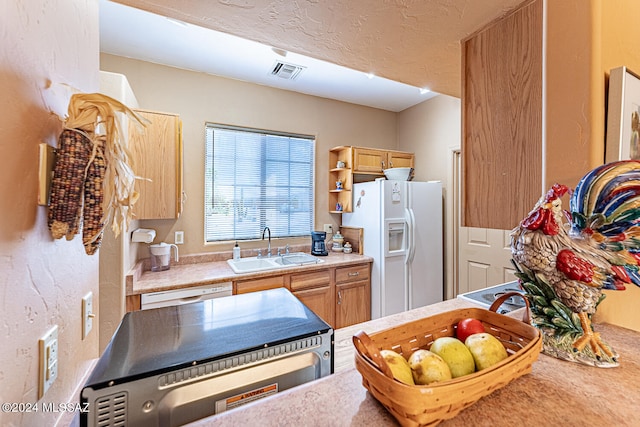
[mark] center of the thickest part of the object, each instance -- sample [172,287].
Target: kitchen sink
[248,265]
[297,258]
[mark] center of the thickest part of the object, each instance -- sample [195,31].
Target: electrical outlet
[179,237]
[87,314]
[48,345]
[328,228]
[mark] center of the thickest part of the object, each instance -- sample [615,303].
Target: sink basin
[297,258]
[248,265]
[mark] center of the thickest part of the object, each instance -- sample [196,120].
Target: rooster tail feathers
[608,196]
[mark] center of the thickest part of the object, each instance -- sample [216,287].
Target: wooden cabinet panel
[368,160]
[398,159]
[352,273]
[502,120]
[320,301]
[313,279]
[340,199]
[255,285]
[353,303]
[366,164]
[157,157]
[133,303]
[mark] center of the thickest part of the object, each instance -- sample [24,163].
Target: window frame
[209,180]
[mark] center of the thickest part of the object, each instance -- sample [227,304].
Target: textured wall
[43,44]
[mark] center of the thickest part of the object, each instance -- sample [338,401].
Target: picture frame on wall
[623,116]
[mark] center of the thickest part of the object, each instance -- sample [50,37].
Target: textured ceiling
[416,42]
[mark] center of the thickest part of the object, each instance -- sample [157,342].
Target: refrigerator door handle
[411,245]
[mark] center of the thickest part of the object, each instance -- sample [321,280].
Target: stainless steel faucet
[269,244]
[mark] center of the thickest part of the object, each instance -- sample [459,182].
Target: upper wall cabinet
[502,120]
[348,165]
[371,160]
[157,159]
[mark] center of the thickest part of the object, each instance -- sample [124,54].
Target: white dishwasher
[185,296]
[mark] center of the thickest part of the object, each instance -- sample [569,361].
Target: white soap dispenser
[236,251]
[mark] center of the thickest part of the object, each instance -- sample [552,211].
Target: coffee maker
[317,243]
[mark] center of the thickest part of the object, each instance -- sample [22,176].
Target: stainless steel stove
[173,365]
[486,296]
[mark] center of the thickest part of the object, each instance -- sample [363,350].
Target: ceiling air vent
[286,71]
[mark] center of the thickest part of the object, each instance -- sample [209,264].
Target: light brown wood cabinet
[369,160]
[157,158]
[399,159]
[375,161]
[341,296]
[255,285]
[315,291]
[360,164]
[340,199]
[502,120]
[353,295]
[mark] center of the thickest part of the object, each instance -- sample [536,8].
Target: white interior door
[484,259]
[483,256]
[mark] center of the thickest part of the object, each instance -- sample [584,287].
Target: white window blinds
[256,179]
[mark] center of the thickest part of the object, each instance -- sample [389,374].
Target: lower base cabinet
[319,300]
[341,296]
[353,303]
[353,295]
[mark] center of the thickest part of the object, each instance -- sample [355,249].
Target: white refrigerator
[402,232]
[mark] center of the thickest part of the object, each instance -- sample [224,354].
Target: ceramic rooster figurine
[564,260]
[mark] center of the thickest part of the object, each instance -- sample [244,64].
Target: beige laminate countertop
[194,271]
[554,393]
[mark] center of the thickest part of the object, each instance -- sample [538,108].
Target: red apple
[468,326]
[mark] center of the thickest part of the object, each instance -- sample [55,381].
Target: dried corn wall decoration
[67,185]
[92,212]
[93,182]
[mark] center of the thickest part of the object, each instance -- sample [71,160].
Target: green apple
[428,367]
[486,350]
[398,365]
[455,354]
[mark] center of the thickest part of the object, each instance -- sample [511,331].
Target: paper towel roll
[143,235]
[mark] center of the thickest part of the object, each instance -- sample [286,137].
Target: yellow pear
[428,367]
[398,365]
[486,350]
[456,354]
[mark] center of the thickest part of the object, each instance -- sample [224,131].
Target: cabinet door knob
[339,297]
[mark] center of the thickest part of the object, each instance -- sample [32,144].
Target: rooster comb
[557,191]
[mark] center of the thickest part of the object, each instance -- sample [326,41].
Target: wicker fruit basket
[428,405]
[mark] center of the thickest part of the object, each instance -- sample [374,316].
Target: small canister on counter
[347,248]
[338,240]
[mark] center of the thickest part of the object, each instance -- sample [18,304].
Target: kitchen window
[255,179]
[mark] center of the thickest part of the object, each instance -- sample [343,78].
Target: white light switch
[87,314]
[48,345]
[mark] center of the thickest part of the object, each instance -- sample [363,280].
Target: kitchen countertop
[556,392]
[198,270]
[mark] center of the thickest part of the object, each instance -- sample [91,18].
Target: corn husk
[97,116]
